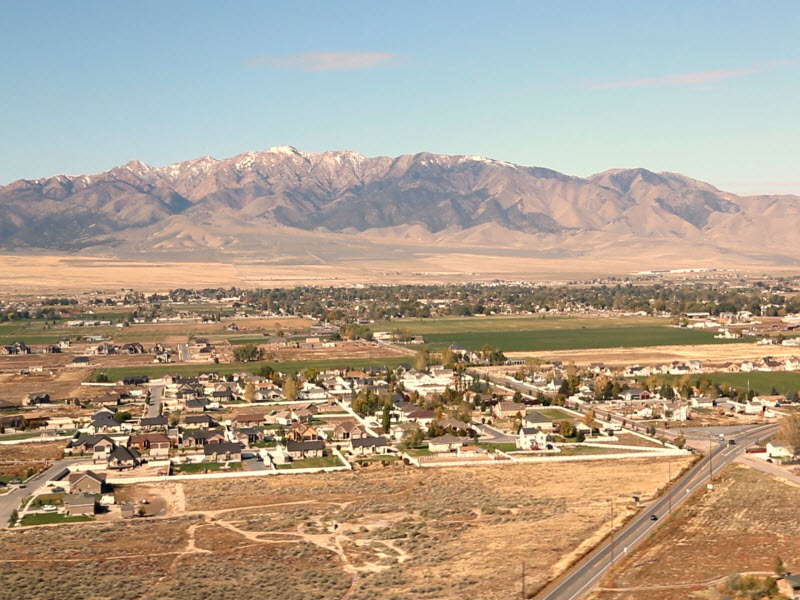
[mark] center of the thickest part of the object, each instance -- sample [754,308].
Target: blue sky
[707,89]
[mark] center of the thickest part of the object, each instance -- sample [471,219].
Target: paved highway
[582,578]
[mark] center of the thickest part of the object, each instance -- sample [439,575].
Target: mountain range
[282,203]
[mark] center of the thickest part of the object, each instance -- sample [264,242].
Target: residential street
[11,500]
[154,408]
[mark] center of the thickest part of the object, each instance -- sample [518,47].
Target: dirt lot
[388,532]
[713,354]
[740,527]
[65,383]
[32,451]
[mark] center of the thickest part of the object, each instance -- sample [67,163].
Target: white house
[531,438]
[778,450]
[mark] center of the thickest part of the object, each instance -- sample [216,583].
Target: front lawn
[556,414]
[49,518]
[205,467]
[313,463]
[55,499]
[503,447]
[419,452]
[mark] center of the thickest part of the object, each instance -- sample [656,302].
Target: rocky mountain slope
[334,204]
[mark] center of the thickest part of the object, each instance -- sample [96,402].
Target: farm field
[155,371]
[35,333]
[578,338]
[744,523]
[396,529]
[761,382]
[511,323]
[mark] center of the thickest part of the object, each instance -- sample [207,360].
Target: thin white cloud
[696,78]
[328,61]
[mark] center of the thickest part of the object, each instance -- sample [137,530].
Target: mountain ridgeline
[254,200]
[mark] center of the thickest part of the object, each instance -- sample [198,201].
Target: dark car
[731,442]
[654,517]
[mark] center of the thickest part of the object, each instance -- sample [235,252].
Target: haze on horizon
[708,91]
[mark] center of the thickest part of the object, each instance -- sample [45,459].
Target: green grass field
[575,339]
[512,323]
[762,383]
[155,371]
[534,333]
[504,447]
[556,414]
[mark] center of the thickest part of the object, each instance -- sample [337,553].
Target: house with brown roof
[157,444]
[222,452]
[79,505]
[508,410]
[86,482]
[301,432]
[445,443]
[249,420]
[305,449]
[364,446]
[349,429]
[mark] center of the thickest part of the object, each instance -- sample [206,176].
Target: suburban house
[368,445]
[201,421]
[305,449]
[86,482]
[789,586]
[452,424]
[400,430]
[157,444]
[445,443]
[349,429]
[508,410]
[123,458]
[195,405]
[532,438]
[249,420]
[153,423]
[36,398]
[302,433]
[201,438]
[103,422]
[223,452]
[779,450]
[538,420]
[79,505]
[99,446]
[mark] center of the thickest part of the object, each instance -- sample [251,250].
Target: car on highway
[654,517]
[731,442]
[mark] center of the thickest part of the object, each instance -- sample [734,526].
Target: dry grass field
[32,451]
[739,527]
[657,355]
[381,532]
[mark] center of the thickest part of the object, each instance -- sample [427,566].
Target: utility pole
[710,467]
[523,580]
[611,502]
[669,486]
